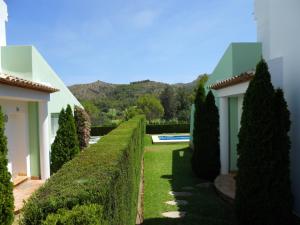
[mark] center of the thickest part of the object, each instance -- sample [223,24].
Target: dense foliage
[183,103]
[111,103]
[206,157]
[131,112]
[65,146]
[167,128]
[92,110]
[263,194]
[105,174]
[6,187]
[150,106]
[168,101]
[79,215]
[83,126]
[102,130]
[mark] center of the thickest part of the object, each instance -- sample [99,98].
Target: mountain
[102,90]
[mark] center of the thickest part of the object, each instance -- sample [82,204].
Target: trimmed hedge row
[150,129]
[167,128]
[102,130]
[106,174]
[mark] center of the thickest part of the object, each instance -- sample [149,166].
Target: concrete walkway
[23,191]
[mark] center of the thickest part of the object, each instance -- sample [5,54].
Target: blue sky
[119,41]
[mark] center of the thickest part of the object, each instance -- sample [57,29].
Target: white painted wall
[16,130]
[278,28]
[3,20]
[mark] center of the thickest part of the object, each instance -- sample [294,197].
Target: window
[54,125]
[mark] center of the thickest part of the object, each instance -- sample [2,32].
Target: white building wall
[3,20]
[278,27]
[16,130]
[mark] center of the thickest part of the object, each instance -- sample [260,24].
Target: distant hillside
[101,90]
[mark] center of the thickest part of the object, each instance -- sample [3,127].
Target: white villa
[31,97]
[278,42]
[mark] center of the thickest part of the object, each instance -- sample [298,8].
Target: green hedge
[105,174]
[167,128]
[150,129]
[102,130]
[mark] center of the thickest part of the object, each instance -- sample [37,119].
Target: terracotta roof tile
[22,83]
[244,77]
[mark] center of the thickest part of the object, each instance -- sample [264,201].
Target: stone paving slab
[180,194]
[188,188]
[225,184]
[177,202]
[174,214]
[204,185]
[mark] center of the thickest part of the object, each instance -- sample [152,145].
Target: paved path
[23,191]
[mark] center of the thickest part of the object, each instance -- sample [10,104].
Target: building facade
[278,29]
[31,97]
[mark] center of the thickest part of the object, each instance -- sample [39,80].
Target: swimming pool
[174,138]
[170,138]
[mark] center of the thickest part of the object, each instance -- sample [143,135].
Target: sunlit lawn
[167,167]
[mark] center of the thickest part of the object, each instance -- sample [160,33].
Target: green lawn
[167,167]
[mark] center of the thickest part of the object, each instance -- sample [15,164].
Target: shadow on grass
[204,206]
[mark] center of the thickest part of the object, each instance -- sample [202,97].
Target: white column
[224,137]
[44,140]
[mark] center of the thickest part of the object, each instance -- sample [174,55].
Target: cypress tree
[257,180]
[71,132]
[206,155]
[209,164]
[198,121]
[65,146]
[281,196]
[6,187]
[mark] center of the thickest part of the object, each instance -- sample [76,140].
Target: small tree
[150,106]
[198,121]
[168,101]
[6,187]
[263,188]
[83,126]
[65,146]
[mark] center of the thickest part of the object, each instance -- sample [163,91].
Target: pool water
[174,138]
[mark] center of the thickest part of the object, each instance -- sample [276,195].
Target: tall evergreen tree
[209,165]
[168,101]
[206,157]
[281,196]
[65,146]
[198,121]
[6,187]
[263,155]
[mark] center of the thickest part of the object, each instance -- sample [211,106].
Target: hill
[102,90]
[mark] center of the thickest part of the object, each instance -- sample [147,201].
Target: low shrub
[102,130]
[79,215]
[106,174]
[167,128]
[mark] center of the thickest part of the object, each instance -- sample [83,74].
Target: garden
[167,169]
